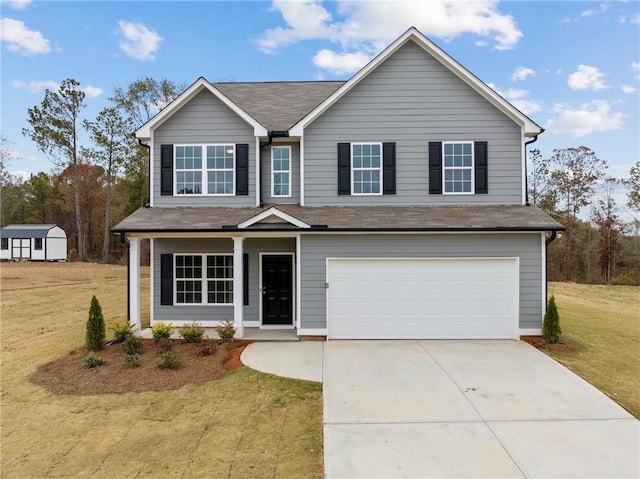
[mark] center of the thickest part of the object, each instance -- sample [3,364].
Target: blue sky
[573,67]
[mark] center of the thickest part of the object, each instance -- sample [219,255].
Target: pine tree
[95,336]
[551,327]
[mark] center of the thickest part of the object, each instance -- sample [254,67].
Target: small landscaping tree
[551,327]
[95,326]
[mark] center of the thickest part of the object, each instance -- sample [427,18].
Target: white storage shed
[33,242]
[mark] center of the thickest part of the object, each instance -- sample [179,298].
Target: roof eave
[530,128]
[144,132]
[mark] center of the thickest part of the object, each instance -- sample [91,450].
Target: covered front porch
[251,280]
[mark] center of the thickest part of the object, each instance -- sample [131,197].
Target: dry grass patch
[247,424]
[605,322]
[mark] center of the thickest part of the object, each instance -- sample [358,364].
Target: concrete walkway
[457,409]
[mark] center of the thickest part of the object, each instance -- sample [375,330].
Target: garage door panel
[422,298]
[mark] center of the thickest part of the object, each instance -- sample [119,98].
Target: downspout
[271,134]
[526,174]
[141,143]
[547,242]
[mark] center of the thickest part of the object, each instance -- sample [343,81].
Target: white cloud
[340,63]
[635,67]
[17,4]
[364,28]
[587,78]
[518,98]
[592,11]
[92,91]
[139,42]
[522,73]
[628,89]
[20,39]
[36,86]
[595,116]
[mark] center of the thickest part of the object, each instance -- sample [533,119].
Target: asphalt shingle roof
[25,231]
[345,218]
[278,105]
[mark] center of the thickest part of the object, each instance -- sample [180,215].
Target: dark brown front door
[277,290]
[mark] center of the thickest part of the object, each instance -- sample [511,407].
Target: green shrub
[131,345]
[131,359]
[95,326]
[121,330]
[161,330]
[191,333]
[551,326]
[169,360]
[206,347]
[92,360]
[226,331]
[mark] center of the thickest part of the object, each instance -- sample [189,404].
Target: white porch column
[238,300]
[134,283]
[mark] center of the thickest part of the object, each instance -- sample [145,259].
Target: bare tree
[541,190]
[610,229]
[113,145]
[54,129]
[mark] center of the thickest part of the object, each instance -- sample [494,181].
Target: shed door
[21,248]
[422,298]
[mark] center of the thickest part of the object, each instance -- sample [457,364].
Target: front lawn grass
[245,425]
[605,322]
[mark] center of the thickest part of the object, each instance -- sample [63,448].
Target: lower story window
[204,279]
[37,244]
[4,243]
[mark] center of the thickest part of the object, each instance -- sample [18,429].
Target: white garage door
[419,298]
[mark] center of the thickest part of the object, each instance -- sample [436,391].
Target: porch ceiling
[343,218]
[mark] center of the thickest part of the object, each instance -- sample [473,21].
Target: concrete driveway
[458,409]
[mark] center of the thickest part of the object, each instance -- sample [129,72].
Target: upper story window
[366,167]
[458,167]
[204,169]
[281,171]
[37,244]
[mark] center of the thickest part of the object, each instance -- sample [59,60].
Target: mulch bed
[67,375]
[564,345]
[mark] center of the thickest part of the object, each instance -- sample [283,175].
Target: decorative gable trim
[529,127]
[201,84]
[273,211]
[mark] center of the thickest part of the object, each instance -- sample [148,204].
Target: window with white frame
[366,168]
[281,171]
[204,279]
[205,169]
[457,167]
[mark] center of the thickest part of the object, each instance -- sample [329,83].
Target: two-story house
[392,205]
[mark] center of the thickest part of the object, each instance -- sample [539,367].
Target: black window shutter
[166,170]
[389,168]
[245,278]
[435,167]
[166,279]
[344,168]
[481,176]
[242,169]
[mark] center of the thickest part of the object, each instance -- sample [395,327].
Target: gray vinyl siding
[204,119]
[205,314]
[266,177]
[317,248]
[412,99]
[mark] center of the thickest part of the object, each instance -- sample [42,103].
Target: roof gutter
[271,134]
[143,144]
[526,174]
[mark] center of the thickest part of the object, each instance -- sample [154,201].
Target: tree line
[93,186]
[599,245]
